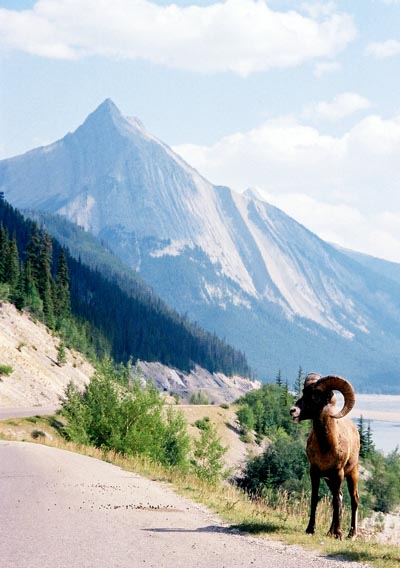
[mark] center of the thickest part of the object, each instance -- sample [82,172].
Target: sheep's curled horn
[334,382]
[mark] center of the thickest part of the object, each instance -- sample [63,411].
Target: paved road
[64,510]
[21,412]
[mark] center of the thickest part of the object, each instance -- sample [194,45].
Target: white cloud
[319,9]
[346,188]
[384,49]
[243,36]
[324,67]
[341,106]
[344,225]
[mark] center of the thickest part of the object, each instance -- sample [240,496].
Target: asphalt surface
[63,510]
[22,412]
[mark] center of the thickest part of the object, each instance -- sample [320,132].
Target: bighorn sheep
[332,447]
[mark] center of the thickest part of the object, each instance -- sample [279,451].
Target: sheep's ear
[334,382]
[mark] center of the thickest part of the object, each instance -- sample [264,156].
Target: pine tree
[45,281]
[299,383]
[61,354]
[18,294]
[12,264]
[3,253]
[369,443]
[278,379]
[362,433]
[31,293]
[62,301]
[33,253]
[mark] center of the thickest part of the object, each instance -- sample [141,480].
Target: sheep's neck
[325,428]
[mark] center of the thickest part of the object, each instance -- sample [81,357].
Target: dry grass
[284,521]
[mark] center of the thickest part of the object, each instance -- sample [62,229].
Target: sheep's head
[318,397]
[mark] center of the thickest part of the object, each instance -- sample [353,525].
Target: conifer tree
[62,302]
[3,253]
[31,293]
[299,383]
[18,294]
[12,264]
[33,253]
[45,281]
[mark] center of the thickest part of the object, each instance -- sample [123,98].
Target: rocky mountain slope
[31,351]
[233,263]
[37,380]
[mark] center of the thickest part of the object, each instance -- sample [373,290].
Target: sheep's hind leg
[315,479]
[352,484]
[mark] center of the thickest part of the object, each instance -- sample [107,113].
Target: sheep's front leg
[352,484]
[315,479]
[335,485]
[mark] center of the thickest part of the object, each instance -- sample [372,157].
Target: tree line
[87,308]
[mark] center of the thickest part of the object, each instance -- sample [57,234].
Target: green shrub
[130,419]
[245,417]
[203,423]
[282,465]
[208,462]
[38,434]
[384,484]
[225,406]
[5,370]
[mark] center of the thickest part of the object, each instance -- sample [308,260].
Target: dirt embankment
[31,351]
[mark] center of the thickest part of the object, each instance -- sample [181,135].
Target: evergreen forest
[92,312]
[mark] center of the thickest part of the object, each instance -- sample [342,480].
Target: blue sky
[298,99]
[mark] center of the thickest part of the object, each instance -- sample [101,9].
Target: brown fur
[332,450]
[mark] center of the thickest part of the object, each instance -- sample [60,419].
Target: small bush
[203,423]
[199,398]
[245,438]
[225,406]
[38,434]
[5,370]
[208,462]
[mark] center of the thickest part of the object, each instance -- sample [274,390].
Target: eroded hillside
[31,351]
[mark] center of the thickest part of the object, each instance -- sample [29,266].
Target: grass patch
[282,519]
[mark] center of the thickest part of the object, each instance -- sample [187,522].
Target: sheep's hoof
[337,534]
[310,530]
[352,534]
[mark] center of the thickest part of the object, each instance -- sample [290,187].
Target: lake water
[383,413]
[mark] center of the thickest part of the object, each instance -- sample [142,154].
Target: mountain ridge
[234,263]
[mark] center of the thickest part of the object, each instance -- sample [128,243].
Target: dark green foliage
[62,300]
[203,423]
[12,264]
[123,319]
[367,448]
[38,434]
[384,484]
[283,465]
[270,407]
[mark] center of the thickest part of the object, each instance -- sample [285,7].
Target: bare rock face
[217,387]
[31,352]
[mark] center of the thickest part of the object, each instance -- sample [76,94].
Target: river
[383,413]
